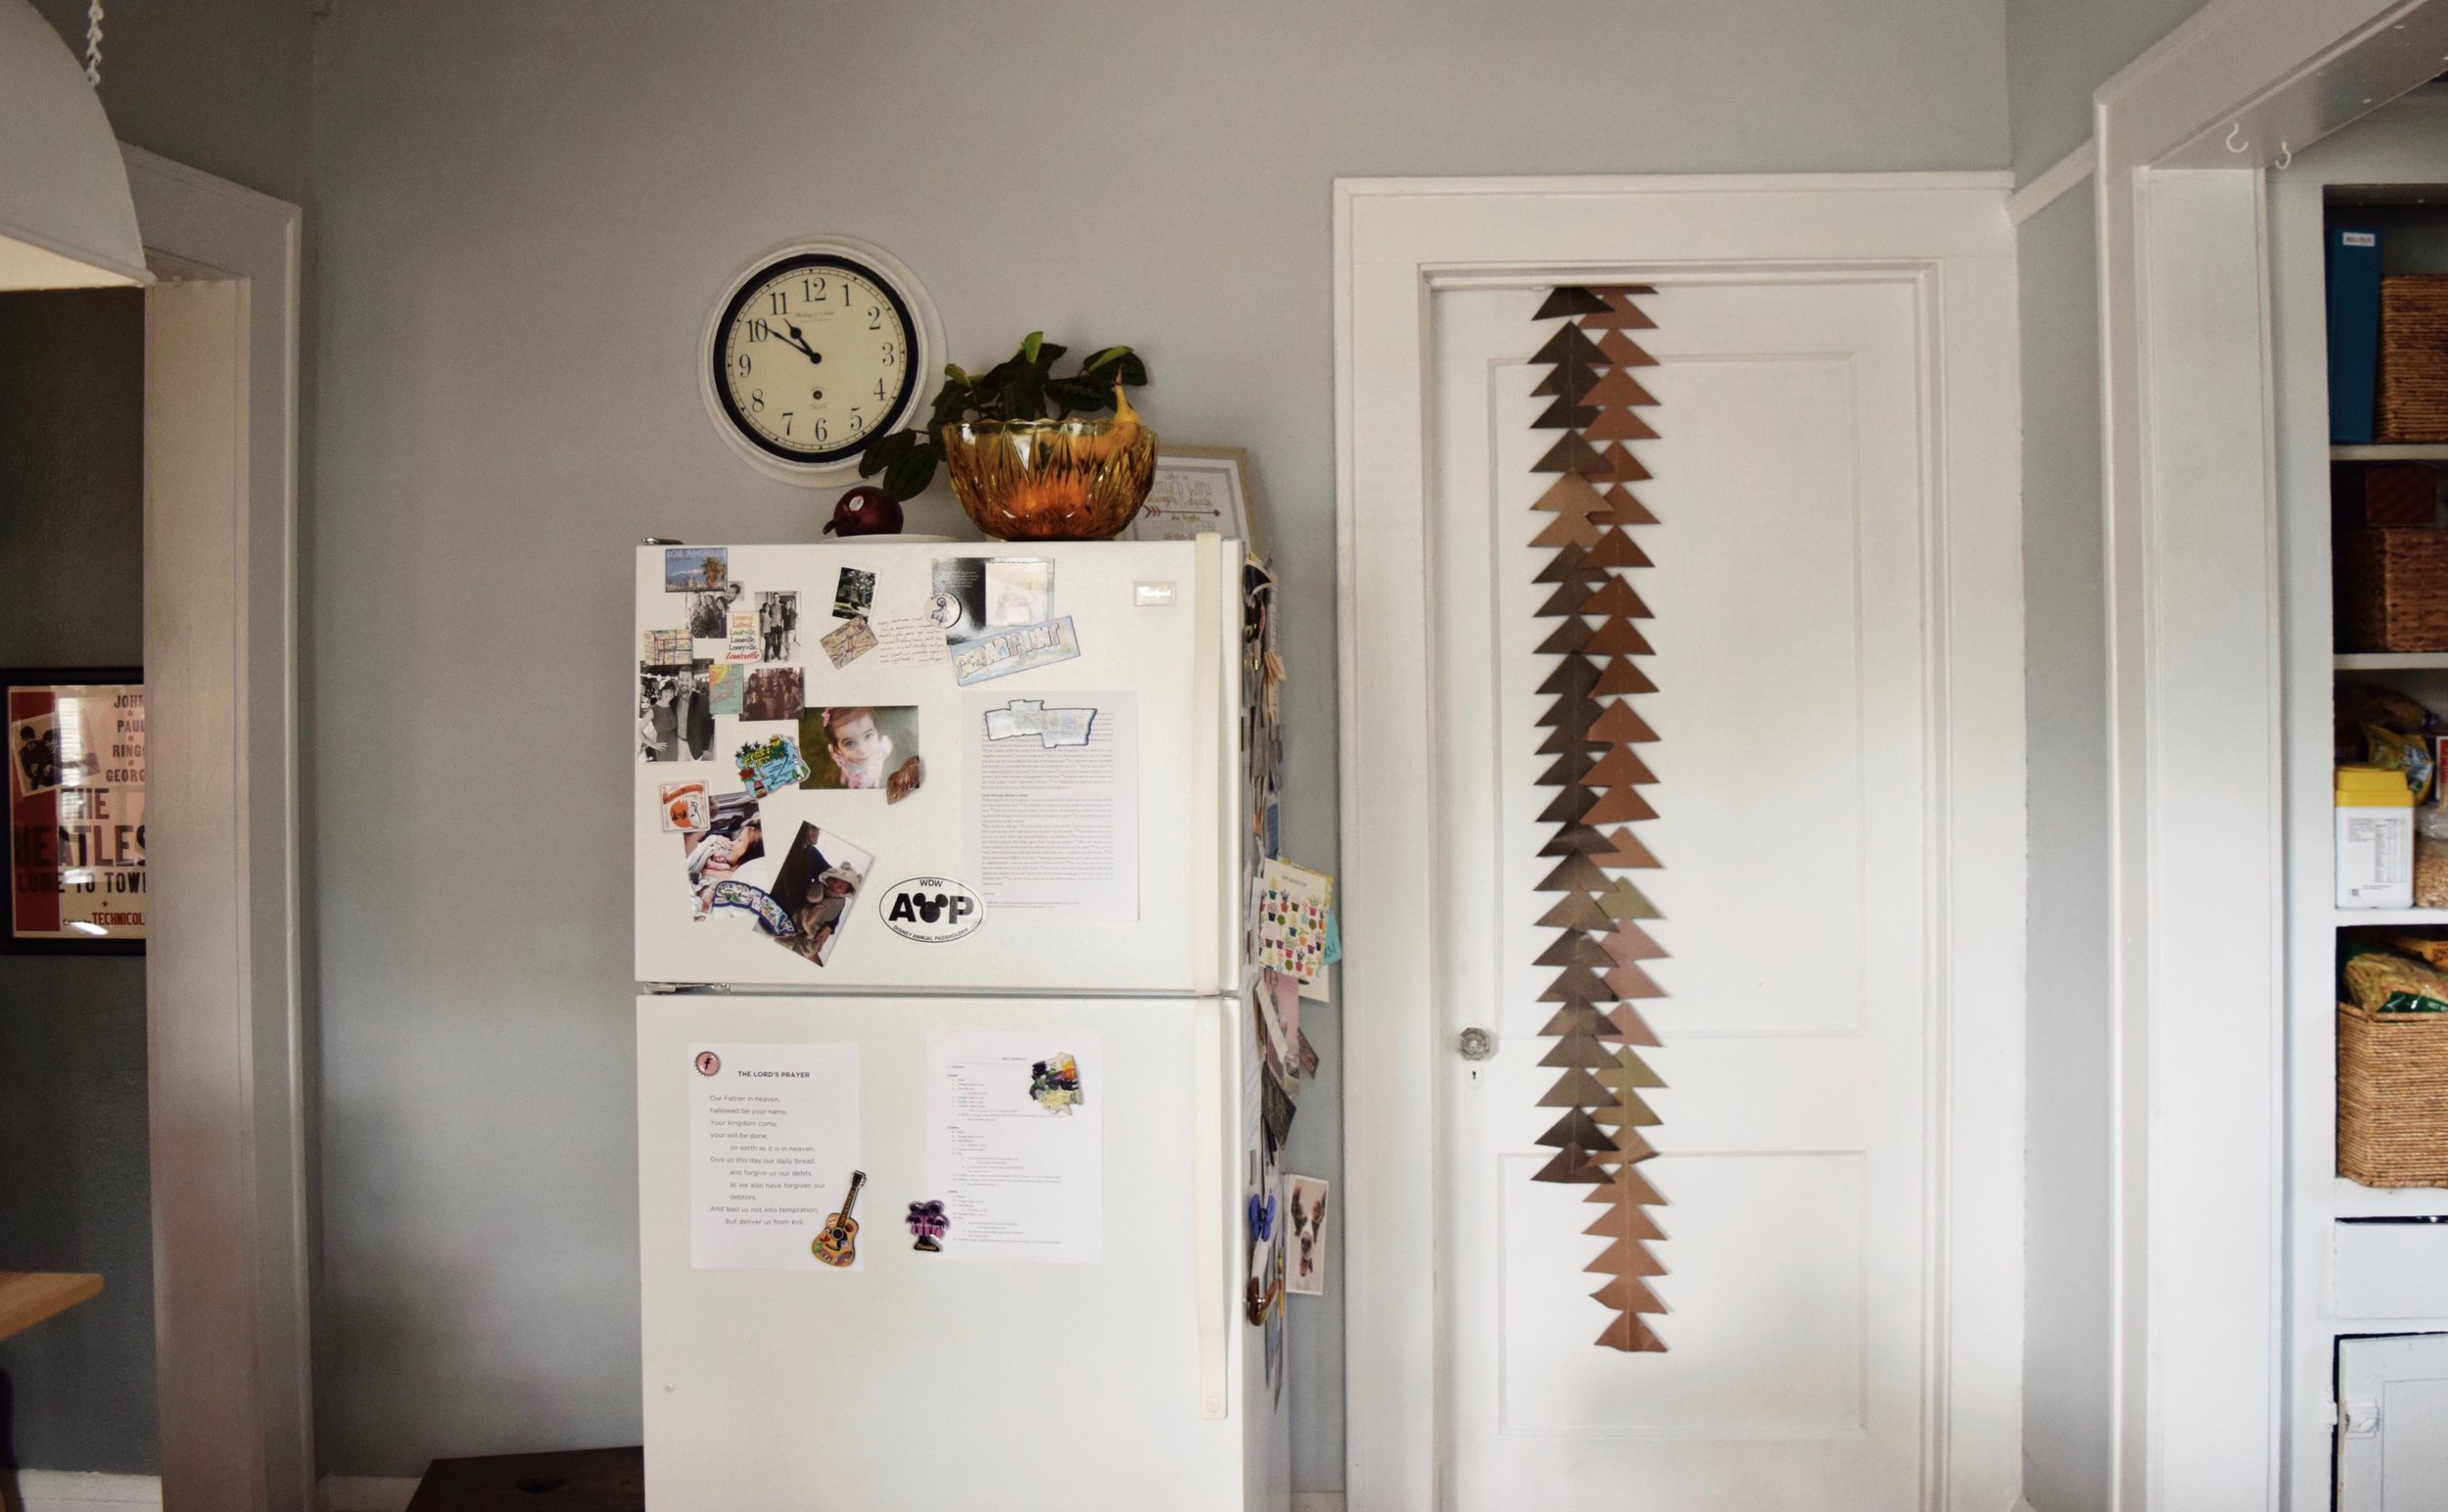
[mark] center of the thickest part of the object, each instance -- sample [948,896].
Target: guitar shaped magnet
[836,1243]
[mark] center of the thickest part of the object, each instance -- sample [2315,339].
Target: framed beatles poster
[77,811]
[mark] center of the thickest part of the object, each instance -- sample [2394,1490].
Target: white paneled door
[1798,774]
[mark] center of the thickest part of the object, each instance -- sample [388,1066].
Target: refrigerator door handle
[1207,1145]
[1212,725]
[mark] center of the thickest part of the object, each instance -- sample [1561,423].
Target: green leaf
[1106,358]
[908,476]
[887,450]
[1031,345]
[1081,393]
[1047,354]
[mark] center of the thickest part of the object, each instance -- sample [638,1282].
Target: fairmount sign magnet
[931,909]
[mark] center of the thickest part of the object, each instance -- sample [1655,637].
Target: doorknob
[1474,1043]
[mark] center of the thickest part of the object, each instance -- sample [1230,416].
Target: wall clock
[814,353]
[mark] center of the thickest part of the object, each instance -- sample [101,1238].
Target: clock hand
[801,342]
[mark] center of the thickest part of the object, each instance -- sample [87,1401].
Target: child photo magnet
[862,748]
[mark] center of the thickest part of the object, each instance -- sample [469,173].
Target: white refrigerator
[942,857]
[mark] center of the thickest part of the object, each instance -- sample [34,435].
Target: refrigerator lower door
[937,1380]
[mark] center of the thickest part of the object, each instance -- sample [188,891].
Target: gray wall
[2058,51]
[75,1392]
[525,211]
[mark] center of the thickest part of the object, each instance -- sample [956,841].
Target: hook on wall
[2286,158]
[2234,135]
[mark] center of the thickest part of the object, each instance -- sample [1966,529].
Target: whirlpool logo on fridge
[931,909]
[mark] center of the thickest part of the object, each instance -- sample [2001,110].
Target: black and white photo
[675,712]
[709,612]
[778,626]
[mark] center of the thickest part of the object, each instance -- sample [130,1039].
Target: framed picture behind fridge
[77,882]
[1200,489]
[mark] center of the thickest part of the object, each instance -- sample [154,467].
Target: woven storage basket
[2392,1098]
[2413,357]
[2394,588]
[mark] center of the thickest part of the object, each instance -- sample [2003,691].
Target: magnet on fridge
[1262,1216]
[928,1223]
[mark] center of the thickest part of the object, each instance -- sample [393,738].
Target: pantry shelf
[2392,661]
[2365,917]
[2401,452]
[2354,1200]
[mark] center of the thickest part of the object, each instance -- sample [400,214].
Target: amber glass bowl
[1050,480]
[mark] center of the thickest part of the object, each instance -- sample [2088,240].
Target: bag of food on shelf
[2382,982]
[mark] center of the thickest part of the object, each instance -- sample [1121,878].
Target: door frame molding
[226,1078]
[2197,851]
[1396,240]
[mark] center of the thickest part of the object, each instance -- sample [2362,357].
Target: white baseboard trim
[368,1492]
[80,1490]
[76,1491]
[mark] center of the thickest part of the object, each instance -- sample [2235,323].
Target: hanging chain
[93,44]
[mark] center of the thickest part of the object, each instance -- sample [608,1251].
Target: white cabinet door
[1147,800]
[1794,783]
[2392,1440]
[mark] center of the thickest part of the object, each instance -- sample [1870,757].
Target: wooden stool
[569,1480]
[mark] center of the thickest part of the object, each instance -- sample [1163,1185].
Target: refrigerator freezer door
[1023,861]
[924,1379]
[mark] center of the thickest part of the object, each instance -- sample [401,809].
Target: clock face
[813,358]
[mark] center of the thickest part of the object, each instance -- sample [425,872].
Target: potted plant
[1032,456]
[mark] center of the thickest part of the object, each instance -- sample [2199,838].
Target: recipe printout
[1015,1144]
[773,1137]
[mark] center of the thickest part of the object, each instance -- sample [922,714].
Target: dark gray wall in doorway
[75,1392]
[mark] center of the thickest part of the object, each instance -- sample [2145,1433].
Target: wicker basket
[2392,589]
[2392,1098]
[2413,357]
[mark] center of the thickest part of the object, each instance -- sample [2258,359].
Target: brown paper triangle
[1622,901]
[1573,675]
[1577,1129]
[1615,806]
[1572,1166]
[1629,983]
[1573,494]
[1618,767]
[1580,1050]
[1567,530]
[1568,636]
[1577,984]
[1618,724]
[1613,424]
[1574,948]
[1622,676]
[1621,312]
[1571,454]
[1627,853]
[1570,345]
[1633,1072]
[1575,911]
[1622,1220]
[1565,602]
[1613,548]
[1624,507]
[1618,349]
[1632,1028]
[1572,300]
[1616,637]
[1578,1018]
[1576,1088]
[1565,415]
[1628,943]
[1579,874]
[1615,596]
[1618,389]
[1614,465]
